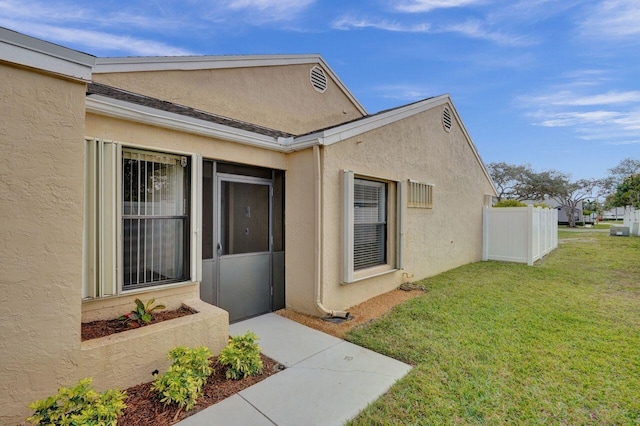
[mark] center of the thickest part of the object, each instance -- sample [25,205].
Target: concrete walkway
[327,380]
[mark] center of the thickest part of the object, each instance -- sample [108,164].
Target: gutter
[318,240]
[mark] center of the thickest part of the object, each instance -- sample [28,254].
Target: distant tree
[627,193]
[539,185]
[570,194]
[608,185]
[508,178]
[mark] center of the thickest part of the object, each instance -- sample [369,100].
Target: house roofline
[121,109]
[106,106]
[366,124]
[185,63]
[31,52]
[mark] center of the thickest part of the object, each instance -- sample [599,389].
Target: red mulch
[144,406]
[95,329]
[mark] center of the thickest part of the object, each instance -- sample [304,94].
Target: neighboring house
[251,183]
[563,218]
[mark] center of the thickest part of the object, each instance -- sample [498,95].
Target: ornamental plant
[142,312]
[79,406]
[182,383]
[241,356]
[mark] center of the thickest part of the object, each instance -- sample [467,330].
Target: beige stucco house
[233,185]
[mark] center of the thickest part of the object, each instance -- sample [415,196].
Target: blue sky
[553,83]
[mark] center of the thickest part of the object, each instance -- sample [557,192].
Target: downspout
[317,170]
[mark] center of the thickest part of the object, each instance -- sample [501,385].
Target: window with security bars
[155,218]
[420,195]
[369,223]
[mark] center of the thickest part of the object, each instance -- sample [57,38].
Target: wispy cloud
[93,30]
[96,41]
[569,98]
[349,22]
[613,19]
[406,92]
[608,116]
[421,6]
[476,29]
[259,12]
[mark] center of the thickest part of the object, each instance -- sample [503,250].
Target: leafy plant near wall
[142,311]
[80,405]
[241,356]
[182,383]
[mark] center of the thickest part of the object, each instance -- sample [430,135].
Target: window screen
[370,223]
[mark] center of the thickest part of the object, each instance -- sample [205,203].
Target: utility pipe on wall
[317,170]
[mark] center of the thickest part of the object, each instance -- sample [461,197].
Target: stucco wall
[278,97]
[435,240]
[41,189]
[299,233]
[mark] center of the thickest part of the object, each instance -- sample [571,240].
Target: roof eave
[34,53]
[102,105]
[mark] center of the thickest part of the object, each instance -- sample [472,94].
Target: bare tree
[508,178]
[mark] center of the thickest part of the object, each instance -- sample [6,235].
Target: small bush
[142,312]
[80,405]
[182,383]
[509,203]
[241,356]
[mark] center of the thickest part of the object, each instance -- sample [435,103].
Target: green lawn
[497,343]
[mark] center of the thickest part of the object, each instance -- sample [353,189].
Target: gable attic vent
[318,79]
[446,119]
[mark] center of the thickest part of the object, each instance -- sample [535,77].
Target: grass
[501,344]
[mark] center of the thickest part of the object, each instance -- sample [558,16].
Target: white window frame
[103,234]
[349,274]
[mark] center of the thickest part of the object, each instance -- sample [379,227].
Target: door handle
[219,249]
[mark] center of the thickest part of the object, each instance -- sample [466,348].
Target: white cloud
[475,29]
[263,11]
[96,40]
[613,19]
[569,98]
[403,92]
[420,6]
[594,112]
[347,23]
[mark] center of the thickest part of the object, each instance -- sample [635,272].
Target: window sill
[372,272]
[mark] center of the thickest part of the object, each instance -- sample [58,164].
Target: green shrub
[182,383]
[509,203]
[80,405]
[241,356]
[142,312]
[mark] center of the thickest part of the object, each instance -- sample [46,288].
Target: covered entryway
[243,241]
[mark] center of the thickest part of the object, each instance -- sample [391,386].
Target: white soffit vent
[318,79]
[446,119]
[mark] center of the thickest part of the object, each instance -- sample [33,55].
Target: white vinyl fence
[519,234]
[631,219]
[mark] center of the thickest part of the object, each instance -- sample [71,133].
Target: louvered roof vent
[446,119]
[318,79]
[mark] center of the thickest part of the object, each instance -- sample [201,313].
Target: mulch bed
[144,406]
[96,329]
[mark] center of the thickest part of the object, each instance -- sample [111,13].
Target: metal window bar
[155,218]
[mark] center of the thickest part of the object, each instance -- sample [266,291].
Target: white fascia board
[183,63]
[31,52]
[116,108]
[355,128]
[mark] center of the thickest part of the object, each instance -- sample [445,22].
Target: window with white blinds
[369,223]
[155,218]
